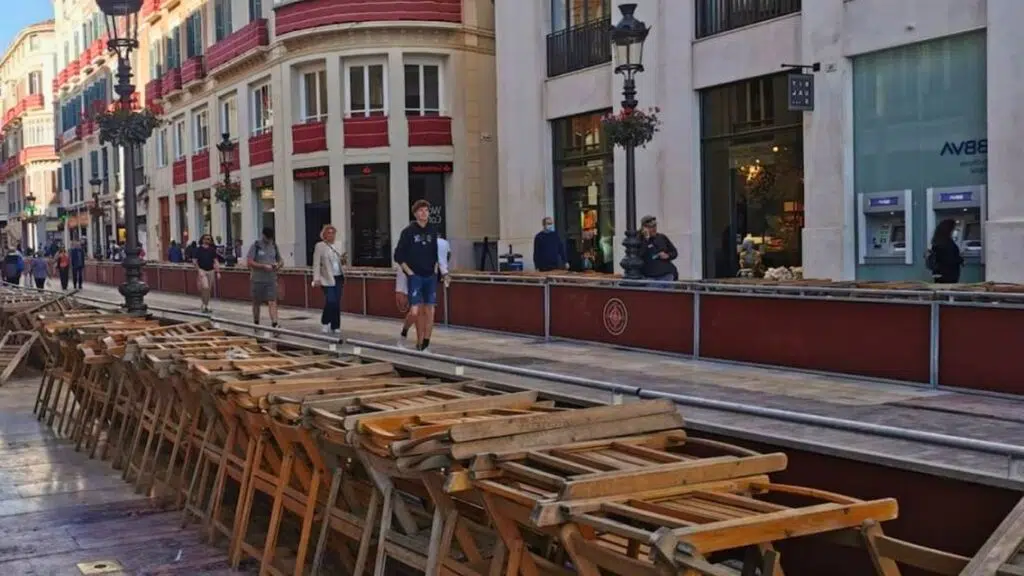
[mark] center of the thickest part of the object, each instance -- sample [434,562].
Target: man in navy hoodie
[548,248]
[78,264]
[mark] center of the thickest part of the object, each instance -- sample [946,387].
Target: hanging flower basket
[631,127]
[123,126]
[227,192]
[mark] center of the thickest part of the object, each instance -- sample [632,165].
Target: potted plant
[631,126]
[123,126]
[227,191]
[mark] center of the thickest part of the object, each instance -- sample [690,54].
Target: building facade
[915,120]
[90,175]
[27,159]
[340,113]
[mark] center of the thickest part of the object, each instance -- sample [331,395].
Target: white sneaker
[326,329]
[400,343]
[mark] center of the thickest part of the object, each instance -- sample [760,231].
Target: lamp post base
[134,289]
[632,263]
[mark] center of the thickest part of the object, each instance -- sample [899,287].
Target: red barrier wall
[976,348]
[638,319]
[862,338]
[517,308]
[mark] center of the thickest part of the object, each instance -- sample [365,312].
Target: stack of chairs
[303,462]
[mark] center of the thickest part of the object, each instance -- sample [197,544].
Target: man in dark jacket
[548,248]
[416,255]
[658,253]
[78,265]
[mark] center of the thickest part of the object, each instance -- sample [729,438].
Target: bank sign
[971,155]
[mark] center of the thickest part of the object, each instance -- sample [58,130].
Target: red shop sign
[311,173]
[430,167]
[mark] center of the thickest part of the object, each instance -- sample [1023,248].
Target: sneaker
[326,329]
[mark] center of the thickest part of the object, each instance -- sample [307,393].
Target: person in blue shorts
[416,255]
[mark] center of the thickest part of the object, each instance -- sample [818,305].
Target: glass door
[370,206]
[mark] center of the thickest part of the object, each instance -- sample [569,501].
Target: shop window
[584,192]
[752,148]
[262,110]
[313,96]
[200,131]
[366,90]
[422,89]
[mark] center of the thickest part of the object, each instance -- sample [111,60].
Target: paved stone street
[918,408]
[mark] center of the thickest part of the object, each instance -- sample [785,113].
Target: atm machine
[966,206]
[885,228]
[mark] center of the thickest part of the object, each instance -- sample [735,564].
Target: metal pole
[933,346]
[547,310]
[231,259]
[631,263]
[696,324]
[134,289]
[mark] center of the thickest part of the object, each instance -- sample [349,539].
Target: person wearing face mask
[548,248]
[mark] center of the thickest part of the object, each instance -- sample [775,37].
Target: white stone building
[913,98]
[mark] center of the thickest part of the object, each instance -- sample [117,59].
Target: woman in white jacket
[328,260]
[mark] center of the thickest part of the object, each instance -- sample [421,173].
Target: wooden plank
[1000,547]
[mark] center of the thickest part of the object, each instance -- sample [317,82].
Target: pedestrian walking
[416,254]
[944,258]
[78,265]
[264,261]
[13,266]
[40,269]
[63,267]
[548,248]
[658,253]
[207,263]
[328,274]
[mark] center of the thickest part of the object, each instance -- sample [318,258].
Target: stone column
[525,135]
[398,138]
[335,147]
[1004,261]
[828,234]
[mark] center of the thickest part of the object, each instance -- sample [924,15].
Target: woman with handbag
[328,274]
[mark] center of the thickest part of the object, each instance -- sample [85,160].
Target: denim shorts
[422,290]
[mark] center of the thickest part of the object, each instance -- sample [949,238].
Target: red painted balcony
[261,148]
[430,131]
[150,8]
[193,70]
[56,83]
[171,81]
[179,175]
[154,91]
[201,166]
[32,102]
[311,14]
[62,77]
[88,127]
[369,132]
[35,153]
[99,49]
[309,137]
[73,69]
[244,40]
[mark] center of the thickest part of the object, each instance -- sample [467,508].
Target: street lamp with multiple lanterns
[97,210]
[628,37]
[226,147]
[122,20]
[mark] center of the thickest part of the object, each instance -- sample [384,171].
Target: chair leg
[246,493]
[270,546]
[325,526]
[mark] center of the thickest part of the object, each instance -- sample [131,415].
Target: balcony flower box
[370,132]
[261,148]
[179,174]
[430,131]
[300,16]
[171,82]
[193,70]
[309,137]
[252,36]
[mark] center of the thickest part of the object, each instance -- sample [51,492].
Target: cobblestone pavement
[919,408]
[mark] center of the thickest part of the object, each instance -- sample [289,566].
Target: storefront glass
[427,182]
[314,185]
[584,192]
[752,156]
[920,119]
[370,205]
[263,196]
[181,210]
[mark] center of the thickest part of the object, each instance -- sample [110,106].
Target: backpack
[930,260]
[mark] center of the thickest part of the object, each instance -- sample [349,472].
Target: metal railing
[579,47]
[1013,453]
[717,16]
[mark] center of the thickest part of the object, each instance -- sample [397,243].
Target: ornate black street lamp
[128,129]
[628,38]
[31,217]
[227,192]
[97,212]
